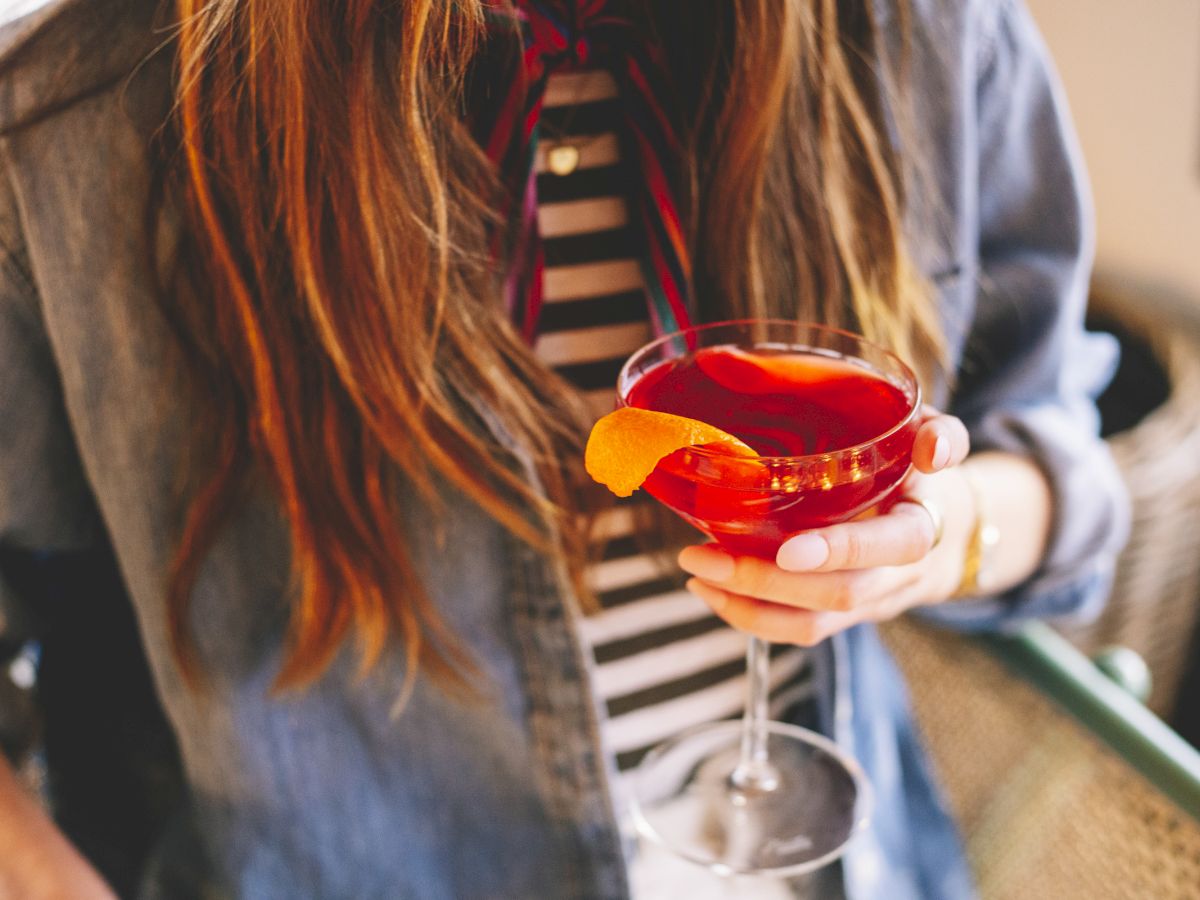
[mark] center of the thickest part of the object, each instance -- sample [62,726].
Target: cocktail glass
[762,797]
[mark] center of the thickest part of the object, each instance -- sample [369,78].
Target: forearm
[36,861]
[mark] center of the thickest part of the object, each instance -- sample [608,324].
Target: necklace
[564,151]
[562,159]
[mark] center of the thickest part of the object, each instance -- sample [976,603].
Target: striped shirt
[663,661]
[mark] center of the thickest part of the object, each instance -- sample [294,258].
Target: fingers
[785,624]
[902,536]
[762,579]
[941,442]
[769,621]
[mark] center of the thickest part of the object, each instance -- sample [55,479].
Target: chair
[1048,811]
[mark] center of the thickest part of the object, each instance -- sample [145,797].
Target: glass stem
[754,771]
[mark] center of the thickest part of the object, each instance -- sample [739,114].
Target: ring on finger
[935,516]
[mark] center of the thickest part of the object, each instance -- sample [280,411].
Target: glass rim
[793,460]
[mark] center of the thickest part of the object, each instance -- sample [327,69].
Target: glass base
[684,798]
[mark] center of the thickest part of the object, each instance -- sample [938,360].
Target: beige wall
[1132,73]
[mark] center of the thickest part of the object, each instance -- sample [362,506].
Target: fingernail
[717,600]
[941,452]
[802,553]
[707,563]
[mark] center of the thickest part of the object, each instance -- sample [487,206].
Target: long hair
[338,305]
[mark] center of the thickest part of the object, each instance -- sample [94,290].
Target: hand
[870,569]
[36,860]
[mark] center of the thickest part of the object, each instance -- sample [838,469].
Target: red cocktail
[833,418]
[835,436]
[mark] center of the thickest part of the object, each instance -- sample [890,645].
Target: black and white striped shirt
[663,661]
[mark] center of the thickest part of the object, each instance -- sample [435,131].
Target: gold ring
[935,515]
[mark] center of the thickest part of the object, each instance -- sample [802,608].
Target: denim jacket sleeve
[1030,371]
[45,505]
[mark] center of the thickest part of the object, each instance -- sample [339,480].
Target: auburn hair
[339,307]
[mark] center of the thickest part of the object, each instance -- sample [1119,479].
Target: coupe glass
[762,797]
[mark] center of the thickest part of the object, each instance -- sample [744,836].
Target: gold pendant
[563,159]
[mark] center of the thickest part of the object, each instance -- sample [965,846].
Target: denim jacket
[325,793]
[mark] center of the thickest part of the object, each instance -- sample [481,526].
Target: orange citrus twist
[626,445]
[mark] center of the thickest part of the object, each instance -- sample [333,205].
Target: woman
[325,411]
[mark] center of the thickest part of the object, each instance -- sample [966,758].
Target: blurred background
[1132,76]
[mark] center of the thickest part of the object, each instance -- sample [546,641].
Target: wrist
[978,563]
